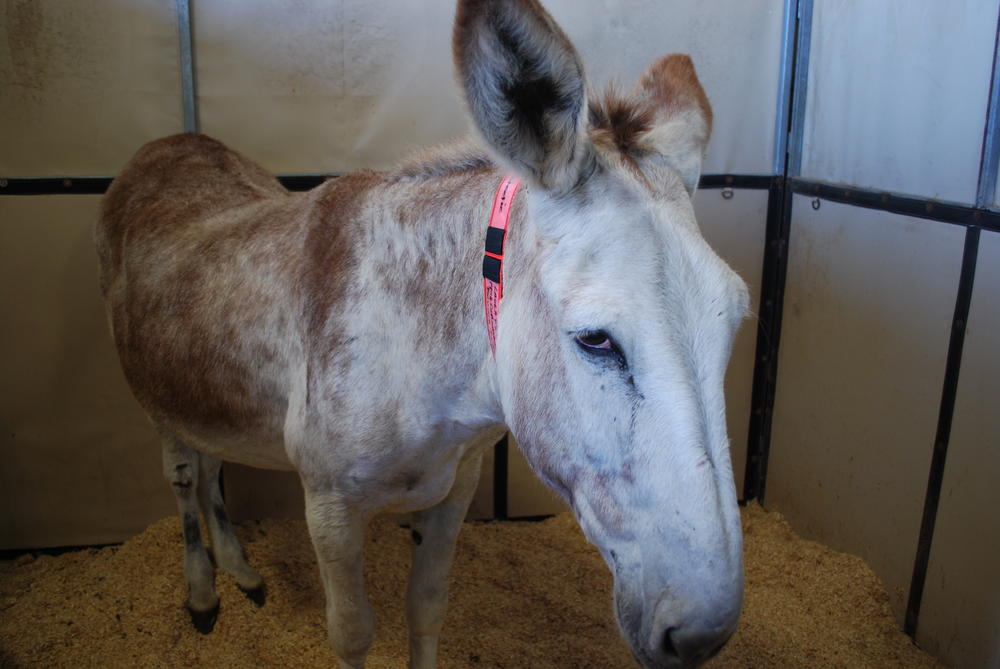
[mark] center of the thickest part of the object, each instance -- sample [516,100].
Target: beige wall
[338,85]
[84,84]
[81,464]
[864,338]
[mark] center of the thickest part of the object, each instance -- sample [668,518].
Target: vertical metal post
[500,455]
[985,194]
[794,76]
[189,100]
[786,69]
[943,433]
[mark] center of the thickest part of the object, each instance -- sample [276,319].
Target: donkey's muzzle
[687,639]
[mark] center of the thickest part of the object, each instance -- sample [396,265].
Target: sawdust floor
[522,595]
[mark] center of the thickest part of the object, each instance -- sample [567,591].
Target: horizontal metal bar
[907,205]
[742,181]
[98,185]
[295,182]
[54,186]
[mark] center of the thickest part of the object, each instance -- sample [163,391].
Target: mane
[459,156]
[618,123]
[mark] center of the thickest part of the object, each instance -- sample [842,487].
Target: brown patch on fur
[618,123]
[335,221]
[672,84]
[172,181]
[444,160]
[186,313]
[435,286]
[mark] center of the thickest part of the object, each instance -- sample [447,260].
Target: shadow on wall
[81,462]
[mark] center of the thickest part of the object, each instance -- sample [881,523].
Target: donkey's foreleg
[180,468]
[434,533]
[225,546]
[338,534]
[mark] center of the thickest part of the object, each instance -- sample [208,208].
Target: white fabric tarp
[84,83]
[897,94]
[330,87]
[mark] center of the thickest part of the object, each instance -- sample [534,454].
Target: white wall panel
[735,229]
[960,615]
[84,83]
[735,46]
[81,464]
[867,318]
[341,85]
[898,92]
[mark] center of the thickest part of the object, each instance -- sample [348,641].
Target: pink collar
[496,235]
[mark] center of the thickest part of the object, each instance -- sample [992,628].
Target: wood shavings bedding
[522,595]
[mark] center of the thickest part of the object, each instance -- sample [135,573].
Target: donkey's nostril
[691,645]
[669,648]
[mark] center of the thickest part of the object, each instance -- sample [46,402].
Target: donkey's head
[617,321]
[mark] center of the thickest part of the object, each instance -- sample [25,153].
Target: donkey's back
[202,259]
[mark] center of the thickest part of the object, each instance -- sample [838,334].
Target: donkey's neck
[420,249]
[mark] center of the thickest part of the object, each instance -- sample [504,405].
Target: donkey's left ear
[525,89]
[670,93]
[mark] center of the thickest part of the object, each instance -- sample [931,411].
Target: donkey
[341,333]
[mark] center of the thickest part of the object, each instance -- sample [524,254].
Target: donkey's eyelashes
[600,344]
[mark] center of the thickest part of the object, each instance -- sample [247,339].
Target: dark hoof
[256,595]
[204,621]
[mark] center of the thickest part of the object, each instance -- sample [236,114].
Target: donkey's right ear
[524,85]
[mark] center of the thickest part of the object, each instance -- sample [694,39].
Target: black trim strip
[54,551]
[907,205]
[765,373]
[293,182]
[500,469]
[98,185]
[943,435]
[55,186]
[741,181]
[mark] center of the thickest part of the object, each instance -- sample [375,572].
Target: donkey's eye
[595,340]
[599,344]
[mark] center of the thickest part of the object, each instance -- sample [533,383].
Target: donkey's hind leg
[180,467]
[225,546]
